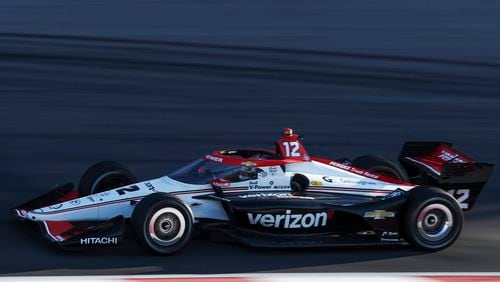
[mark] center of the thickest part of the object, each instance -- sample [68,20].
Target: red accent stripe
[465,278]
[217,157]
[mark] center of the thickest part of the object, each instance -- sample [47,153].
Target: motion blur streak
[157,84]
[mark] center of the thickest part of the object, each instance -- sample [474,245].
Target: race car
[270,198]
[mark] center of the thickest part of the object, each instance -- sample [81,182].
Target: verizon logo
[289,220]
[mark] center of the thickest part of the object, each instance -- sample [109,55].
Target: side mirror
[218,184]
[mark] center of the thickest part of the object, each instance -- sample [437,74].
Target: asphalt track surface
[157,84]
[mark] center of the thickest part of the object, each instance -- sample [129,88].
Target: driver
[247,173]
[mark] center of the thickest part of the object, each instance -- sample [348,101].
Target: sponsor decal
[282,187]
[354,170]
[261,174]
[104,194]
[150,186]
[55,207]
[357,170]
[342,166]
[219,182]
[90,198]
[99,241]
[388,236]
[288,220]
[316,183]
[396,193]
[379,214]
[389,233]
[371,175]
[74,202]
[447,156]
[327,179]
[215,159]
[274,195]
[356,181]
[273,170]
[255,185]
[248,163]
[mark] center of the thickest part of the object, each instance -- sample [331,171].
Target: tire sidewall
[416,205]
[143,214]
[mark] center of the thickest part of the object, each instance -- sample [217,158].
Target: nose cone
[76,209]
[32,215]
[20,213]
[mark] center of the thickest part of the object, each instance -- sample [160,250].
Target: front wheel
[162,224]
[104,176]
[432,219]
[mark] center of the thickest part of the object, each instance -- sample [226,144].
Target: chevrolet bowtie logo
[248,163]
[379,214]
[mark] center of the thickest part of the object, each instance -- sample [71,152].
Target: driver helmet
[247,173]
[287,132]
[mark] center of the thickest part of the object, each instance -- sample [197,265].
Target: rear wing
[439,164]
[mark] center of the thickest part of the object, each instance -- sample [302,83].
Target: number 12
[292,149]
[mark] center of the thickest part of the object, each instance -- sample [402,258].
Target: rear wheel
[381,166]
[162,224]
[104,176]
[432,219]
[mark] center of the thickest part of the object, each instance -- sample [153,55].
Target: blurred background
[156,84]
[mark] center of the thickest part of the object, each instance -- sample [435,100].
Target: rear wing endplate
[439,164]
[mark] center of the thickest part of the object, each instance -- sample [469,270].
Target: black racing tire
[104,176]
[381,166]
[432,219]
[162,224]
[299,183]
[296,187]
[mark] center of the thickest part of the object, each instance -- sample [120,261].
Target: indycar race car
[270,198]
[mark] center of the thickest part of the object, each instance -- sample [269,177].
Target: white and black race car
[270,198]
